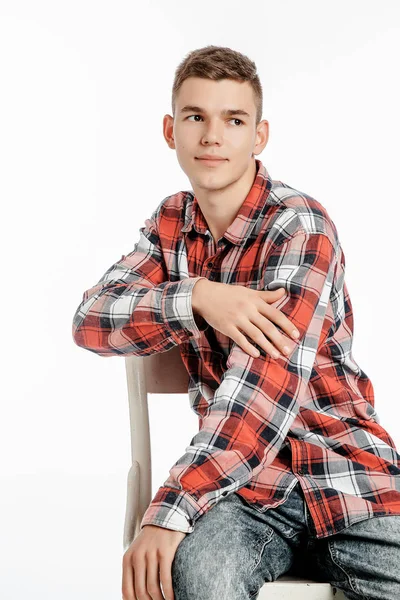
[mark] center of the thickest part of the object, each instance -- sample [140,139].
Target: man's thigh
[234,549]
[362,560]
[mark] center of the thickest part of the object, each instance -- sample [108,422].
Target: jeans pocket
[342,569]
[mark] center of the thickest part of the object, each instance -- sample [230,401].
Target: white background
[84,88]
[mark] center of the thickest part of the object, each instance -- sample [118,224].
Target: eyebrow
[227,112]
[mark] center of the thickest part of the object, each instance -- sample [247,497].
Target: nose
[212,132]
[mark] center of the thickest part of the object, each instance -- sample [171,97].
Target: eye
[240,121]
[233,119]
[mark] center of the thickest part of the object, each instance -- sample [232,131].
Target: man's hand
[233,309]
[148,562]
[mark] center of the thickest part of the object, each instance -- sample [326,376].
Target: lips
[211,161]
[211,164]
[209,158]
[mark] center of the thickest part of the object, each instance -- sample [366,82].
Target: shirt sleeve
[134,308]
[250,414]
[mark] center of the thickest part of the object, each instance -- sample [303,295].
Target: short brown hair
[218,62]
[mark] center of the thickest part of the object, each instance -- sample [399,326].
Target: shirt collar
[254,205]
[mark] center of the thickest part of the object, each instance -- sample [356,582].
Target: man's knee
[199,570]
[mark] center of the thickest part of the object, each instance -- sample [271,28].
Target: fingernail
[295,333]
[286,349]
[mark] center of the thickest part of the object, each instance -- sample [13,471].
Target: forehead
[216,95]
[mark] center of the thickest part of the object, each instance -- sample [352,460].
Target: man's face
[234,137]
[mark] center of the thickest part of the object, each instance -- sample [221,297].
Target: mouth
[212,162]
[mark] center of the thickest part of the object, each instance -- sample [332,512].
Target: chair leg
[132,525]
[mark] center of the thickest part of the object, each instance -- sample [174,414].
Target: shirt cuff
[177,310]
[172,509]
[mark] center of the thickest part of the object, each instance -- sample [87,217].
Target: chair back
[159,373]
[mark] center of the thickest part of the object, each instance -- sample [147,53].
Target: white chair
[165,373]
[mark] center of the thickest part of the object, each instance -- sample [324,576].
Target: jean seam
[338,563]
[265,542]
[292,534]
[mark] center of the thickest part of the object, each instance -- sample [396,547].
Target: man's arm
[134,309]
[252,410]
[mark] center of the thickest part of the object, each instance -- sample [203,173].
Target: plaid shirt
[264,423]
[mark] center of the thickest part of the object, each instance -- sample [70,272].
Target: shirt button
[210,265]
[303,471]
[224,493]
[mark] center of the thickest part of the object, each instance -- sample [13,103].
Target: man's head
[208,83]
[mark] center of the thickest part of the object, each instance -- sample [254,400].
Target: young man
[290,469]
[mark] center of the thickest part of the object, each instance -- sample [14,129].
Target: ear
[262,136]
[168,130]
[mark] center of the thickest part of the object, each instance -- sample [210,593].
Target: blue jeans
[235,548]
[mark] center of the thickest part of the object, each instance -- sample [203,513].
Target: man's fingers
[245,345]
[153,578]
[166,578]
[139,573]
[277,317]
[269,294]
[272,345]
[128,591]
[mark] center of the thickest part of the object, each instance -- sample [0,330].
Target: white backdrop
[84,88]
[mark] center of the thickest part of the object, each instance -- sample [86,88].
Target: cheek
[240,140]
[185,138]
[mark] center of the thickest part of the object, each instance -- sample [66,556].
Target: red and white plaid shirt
[264,423]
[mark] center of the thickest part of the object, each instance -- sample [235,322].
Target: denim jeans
[235,548]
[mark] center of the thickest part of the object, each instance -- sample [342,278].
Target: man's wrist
[197,295]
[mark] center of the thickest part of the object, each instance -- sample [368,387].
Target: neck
[220,207]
